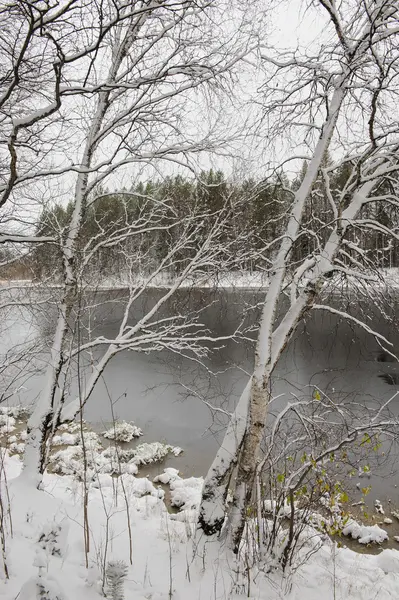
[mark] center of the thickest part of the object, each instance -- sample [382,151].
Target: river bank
[388,278]
[167,559]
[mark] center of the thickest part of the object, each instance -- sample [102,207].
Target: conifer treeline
[256,212]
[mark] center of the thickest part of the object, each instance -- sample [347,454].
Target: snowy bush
[7,423]
[41,588]
[122,431]
[117,455]
[186,493]
[72,427]
[116,574]
[70,461]
[91,440]
[112,460]
[149,453]
[65,439]
[48,539]
[17,412]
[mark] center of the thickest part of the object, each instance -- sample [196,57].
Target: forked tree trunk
[271,341]
[251,412]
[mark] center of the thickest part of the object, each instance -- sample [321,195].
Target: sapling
[116,574]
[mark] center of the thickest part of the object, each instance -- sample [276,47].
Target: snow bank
[232,279]
[388,277]
[45,555]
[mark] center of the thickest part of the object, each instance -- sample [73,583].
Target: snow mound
[122,431]
[167,476]
[365,534]
[17,448]
[185,493]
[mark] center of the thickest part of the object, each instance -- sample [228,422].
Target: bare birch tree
[338,99]
[88,90]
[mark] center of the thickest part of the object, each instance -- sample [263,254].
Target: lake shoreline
[245,280]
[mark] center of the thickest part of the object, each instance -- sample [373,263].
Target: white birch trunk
[213,505]
[48,407]
[247,451]
[281,335]
[271,339]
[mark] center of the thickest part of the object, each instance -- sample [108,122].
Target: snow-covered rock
[378,507]
[122,431]
[65,439]
[151,452]
[365,534]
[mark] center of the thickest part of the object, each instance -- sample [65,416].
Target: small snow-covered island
[199,292]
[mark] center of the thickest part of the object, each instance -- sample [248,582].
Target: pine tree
[116,574]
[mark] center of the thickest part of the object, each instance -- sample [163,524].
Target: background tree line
[257,212]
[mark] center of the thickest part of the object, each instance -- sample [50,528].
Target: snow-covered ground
[239,279]
[45,554]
